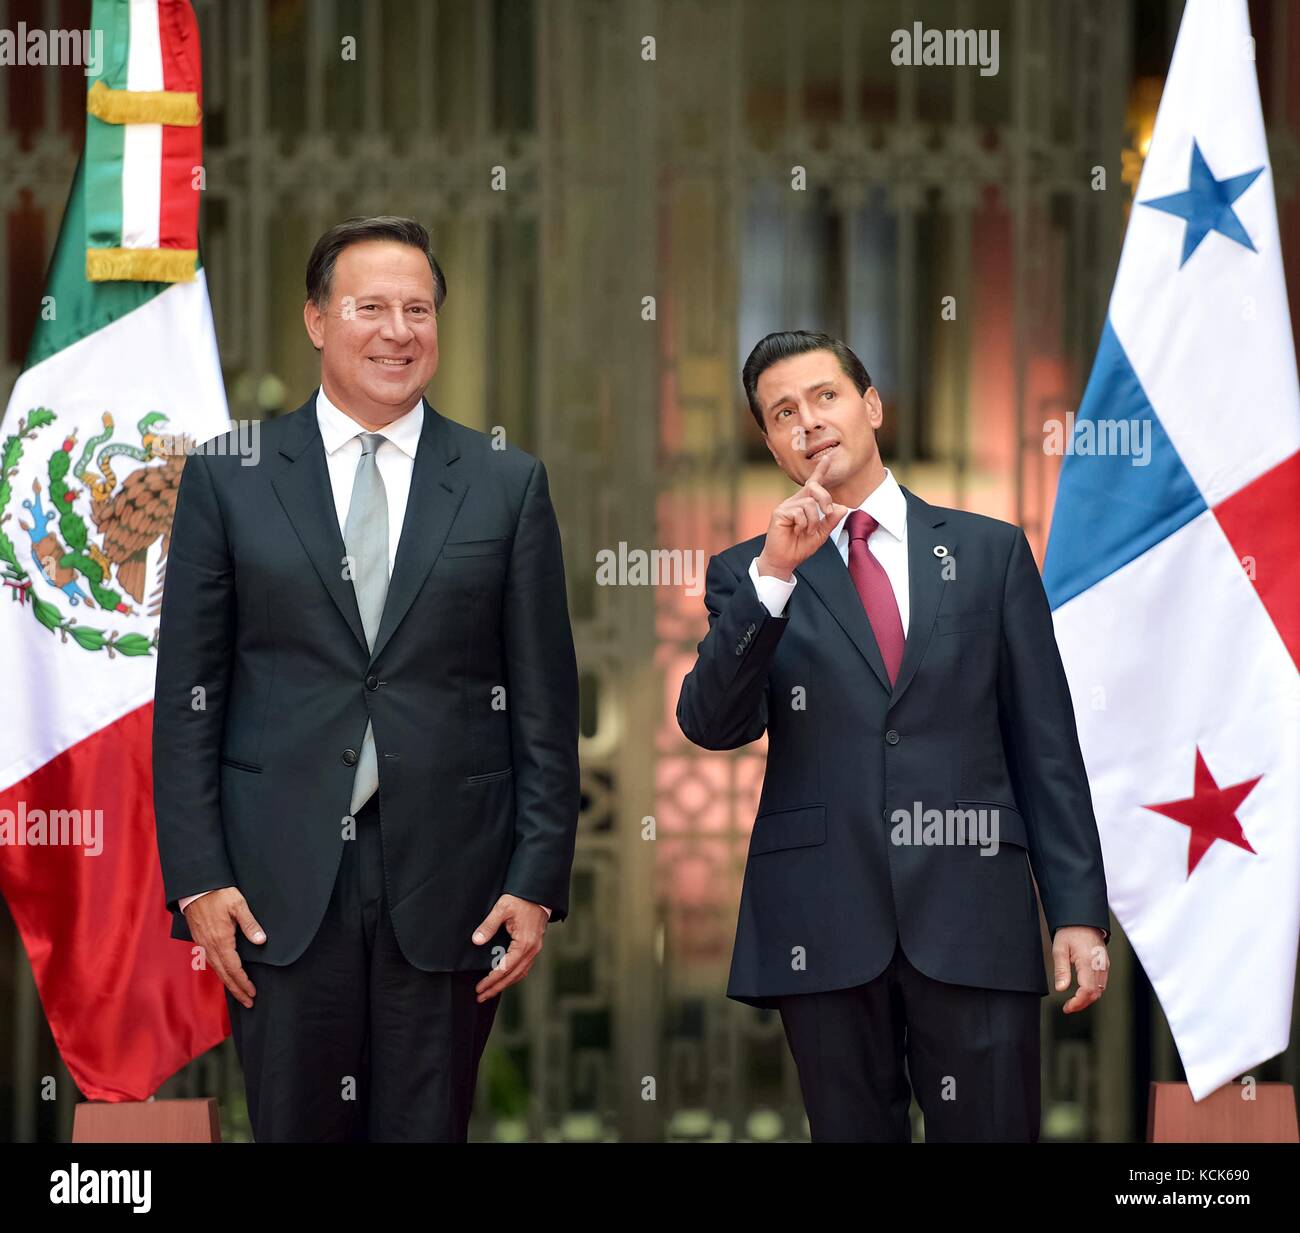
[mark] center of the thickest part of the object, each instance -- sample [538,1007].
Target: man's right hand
[212,919]
[799,526]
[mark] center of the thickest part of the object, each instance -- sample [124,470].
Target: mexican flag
[121,379]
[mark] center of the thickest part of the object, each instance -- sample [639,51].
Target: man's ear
[314,320]
[875,409]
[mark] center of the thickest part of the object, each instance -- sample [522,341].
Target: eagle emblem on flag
[97,526]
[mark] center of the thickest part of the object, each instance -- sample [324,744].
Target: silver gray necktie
[366,539]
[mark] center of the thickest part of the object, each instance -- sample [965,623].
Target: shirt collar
[338,428]
[886,503]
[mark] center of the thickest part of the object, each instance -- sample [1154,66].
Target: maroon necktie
[875,592]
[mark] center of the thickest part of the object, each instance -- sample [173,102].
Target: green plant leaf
[47,614]
[132,644]
[91,639]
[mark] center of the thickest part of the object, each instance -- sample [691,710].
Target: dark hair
[781,346]
[320,265]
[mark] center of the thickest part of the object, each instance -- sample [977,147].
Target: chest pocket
[476,547]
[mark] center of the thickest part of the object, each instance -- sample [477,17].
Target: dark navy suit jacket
[980,718]
[471,688]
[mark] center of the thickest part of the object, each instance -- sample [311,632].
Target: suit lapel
[436,494]
[828,576]
[304,491]
[924,585]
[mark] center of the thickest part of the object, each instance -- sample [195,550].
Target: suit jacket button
[372,681]
[349,757]
[892,737]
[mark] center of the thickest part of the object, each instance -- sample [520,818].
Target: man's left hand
[525,922]
[1080,947]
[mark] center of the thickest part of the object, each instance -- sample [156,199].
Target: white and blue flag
[1173,569]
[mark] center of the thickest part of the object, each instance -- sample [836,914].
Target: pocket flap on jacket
[1005,823]
[240,765]
[475,547]
[788,828]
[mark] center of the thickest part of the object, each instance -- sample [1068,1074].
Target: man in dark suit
[922,758]
[365,721]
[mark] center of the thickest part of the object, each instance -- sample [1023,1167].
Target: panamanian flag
[1173,569]
[122,372]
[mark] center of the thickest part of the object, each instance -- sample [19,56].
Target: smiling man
[901,659]
[365,721]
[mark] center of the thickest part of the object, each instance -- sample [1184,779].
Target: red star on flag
[1210,812]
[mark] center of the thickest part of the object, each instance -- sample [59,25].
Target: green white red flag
[121,376]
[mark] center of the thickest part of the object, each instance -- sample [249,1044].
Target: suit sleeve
[195,652]
[542,701]
[1036,715]
[723,702]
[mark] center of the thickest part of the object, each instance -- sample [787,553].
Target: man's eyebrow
[385,299]
[807,389]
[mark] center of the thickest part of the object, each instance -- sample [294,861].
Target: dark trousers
[971,1056]
[350,1042]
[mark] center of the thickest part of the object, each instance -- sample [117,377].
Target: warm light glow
[1139,125]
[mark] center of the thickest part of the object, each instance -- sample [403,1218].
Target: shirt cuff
[774,592]
[546,910]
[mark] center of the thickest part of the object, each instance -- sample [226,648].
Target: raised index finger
[819,471]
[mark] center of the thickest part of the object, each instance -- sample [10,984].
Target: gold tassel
[179,107]
[144,265]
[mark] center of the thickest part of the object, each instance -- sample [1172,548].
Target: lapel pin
[940,550]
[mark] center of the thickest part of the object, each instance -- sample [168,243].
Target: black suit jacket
[980,716]
[478,790]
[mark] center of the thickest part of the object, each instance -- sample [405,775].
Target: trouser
[350,1042]
[971,1056]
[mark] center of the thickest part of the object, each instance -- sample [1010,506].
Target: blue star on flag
[1206,204]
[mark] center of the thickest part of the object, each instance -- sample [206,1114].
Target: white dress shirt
[395,458]
[887,543]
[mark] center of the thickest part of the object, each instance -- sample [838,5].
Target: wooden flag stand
[147,1121]
[1223,1116]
